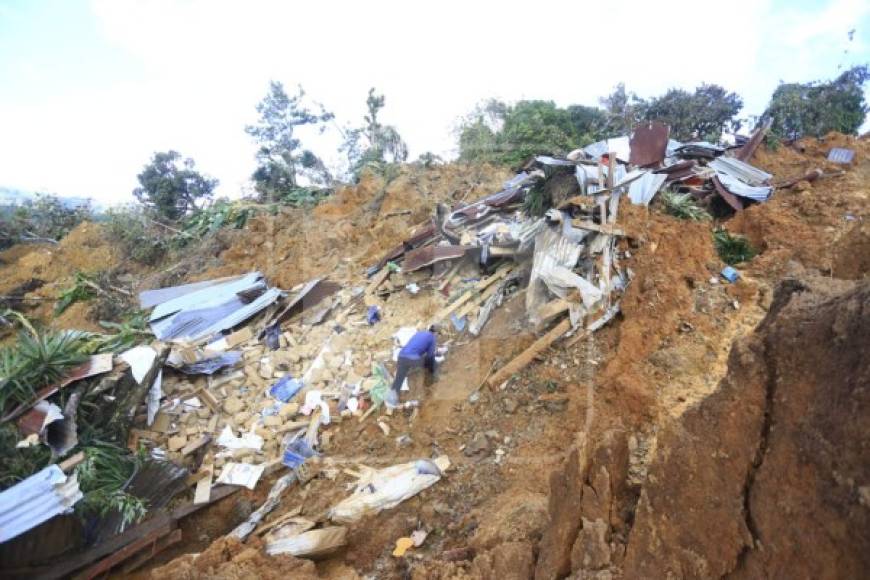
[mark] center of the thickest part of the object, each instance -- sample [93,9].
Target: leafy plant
[817,108]
[373,146]
[81,290]
[140,237]
[170,186]
[732,249]
[683,206]
[35,361]
[222,213]
[47,217]
[19,463]
[103,475]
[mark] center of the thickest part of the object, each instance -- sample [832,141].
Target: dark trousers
[406,364]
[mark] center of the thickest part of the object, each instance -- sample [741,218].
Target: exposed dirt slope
[767,477]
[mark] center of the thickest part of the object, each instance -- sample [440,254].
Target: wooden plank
[377,280]
[482,285]
[454,271]
[70,462]
[217,493]
[158,546]
[209,399]
[194,478]
[526,357]
[124,553]
[473,305]
[600,228]
[203,486]
[204,439]
[551,310]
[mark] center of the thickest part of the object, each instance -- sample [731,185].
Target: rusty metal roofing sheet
[648,144]
[41,496]
[839,155]
[419,258]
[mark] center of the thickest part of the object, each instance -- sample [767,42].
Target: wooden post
[526,357]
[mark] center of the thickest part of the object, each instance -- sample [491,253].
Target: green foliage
[81,290]
[701,115]
[279,158]
[35,361]
[817,108]
[102,477]
[171,186]
[19,463]
[46,217]
[536,202]
[683,206]
[222,213]
[499,133]
[429,159]
[732,249]
[374,145]
[138,236]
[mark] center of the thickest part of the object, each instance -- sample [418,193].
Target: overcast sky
[90,89]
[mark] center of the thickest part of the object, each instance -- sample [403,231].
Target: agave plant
[35,361]
[683,206]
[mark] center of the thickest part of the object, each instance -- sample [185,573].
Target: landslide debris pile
[247,381]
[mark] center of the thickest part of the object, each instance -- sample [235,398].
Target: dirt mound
[806,223]
[351,230]
[85,249]
[229,559]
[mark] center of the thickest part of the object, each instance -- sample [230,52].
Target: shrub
[814,109]
[139,236]
[732,249]
[683,206]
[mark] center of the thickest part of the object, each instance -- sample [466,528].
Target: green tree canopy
[171,186]
[280,156]
[817,108]
[702,115]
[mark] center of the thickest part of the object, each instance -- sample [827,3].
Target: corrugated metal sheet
[149,298]
[156,482]
[619,145]
[737,187]
[839,155]
[641,191]
[205,312]
[208,296]
[740,170]
[41,496]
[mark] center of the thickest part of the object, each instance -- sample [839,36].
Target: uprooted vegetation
[555,469]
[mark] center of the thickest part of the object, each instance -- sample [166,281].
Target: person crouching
[420,351]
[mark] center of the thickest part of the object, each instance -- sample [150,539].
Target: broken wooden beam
[526,357]
[479,287]
[600,228]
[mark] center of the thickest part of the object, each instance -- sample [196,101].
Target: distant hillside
[13,197]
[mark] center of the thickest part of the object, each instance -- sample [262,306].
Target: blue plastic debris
[458,323]
[212,365]
[373,315]
[296,453]
[730,274]
[272,337]
[285,388]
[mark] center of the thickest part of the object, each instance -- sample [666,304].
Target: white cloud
[206,63]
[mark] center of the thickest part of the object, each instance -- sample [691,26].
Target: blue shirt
[422,343]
